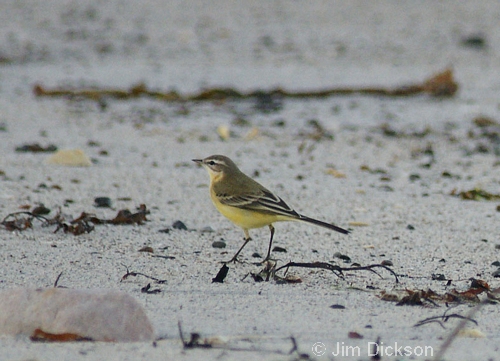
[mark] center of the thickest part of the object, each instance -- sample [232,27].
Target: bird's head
[217,165]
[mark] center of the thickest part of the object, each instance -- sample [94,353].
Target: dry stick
[40,218]
[444,318]
[195,338]
[57,279]
[337,269]
[134,274]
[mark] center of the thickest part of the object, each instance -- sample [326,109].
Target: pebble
[102,202]
[179,225]
[219,244]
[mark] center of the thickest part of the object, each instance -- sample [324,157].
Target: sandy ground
[142,151]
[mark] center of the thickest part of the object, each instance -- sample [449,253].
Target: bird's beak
[197,161]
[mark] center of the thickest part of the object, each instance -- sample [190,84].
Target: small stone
[496,274]
[438,277]
[256,255]
[343,257]
[496,264]
[40,210]
[219,244]
[147,249]
[387,263]
[102,202]
[337,307]
[410,227]
[207,229]
[179,225]
[279,249]
[475,41]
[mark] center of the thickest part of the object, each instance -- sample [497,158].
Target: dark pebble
[179,225]
[40,210]
[477,41]
[219,244]
[438,277]
[279,249]
[343,257]
[337,307]
[102,202]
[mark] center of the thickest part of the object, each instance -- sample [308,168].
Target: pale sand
[150,144]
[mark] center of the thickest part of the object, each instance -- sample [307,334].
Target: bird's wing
[263,201]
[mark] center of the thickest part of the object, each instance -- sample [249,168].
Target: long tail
[323,224]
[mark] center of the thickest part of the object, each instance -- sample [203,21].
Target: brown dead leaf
[354,335]
[441,84]
[42,336]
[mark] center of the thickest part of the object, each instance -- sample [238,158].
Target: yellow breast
[244,218]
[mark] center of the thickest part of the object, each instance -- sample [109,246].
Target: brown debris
[36,148]
[439,85]
[355,335]
[135,274]
[42,336]
[429,297]
[20,221]
[331,267]
[476,194]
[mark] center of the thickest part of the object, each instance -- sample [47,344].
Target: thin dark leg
[235,257]
[271,228]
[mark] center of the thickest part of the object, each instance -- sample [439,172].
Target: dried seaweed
[20,221]
[476,194]
[438,85]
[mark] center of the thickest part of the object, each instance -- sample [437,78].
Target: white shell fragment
[224,132]
[70,158]
[99,315]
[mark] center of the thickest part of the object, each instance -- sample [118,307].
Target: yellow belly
[246,219]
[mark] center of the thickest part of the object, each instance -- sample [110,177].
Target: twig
[32,215]
[57,279]
[337,269]
[443,317]
[134,274]
[453,335]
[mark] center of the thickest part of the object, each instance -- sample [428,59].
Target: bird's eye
[211,162]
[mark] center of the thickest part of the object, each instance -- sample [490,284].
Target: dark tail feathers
[323,224]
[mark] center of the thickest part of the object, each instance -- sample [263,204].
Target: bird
[247,203]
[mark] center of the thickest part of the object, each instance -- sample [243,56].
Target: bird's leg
[271,228]
[247,239]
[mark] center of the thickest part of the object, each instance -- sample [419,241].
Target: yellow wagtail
[247,203]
